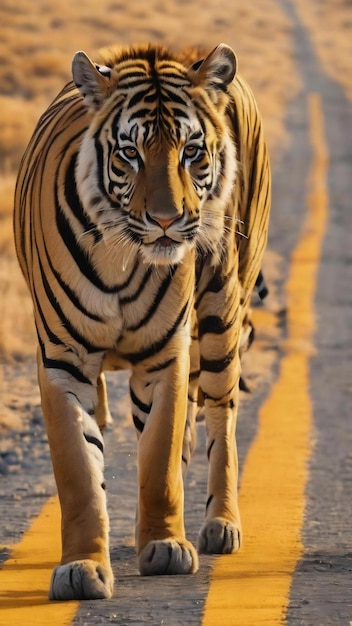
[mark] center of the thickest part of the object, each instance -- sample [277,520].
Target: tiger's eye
[190,151]
[129,152]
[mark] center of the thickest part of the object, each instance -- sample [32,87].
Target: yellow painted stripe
[25,577]
[252,587]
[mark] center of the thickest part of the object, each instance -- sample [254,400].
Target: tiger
[141,218]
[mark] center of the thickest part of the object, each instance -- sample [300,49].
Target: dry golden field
[37,42]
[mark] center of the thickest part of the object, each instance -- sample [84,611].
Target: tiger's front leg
[159,399]
[76,447]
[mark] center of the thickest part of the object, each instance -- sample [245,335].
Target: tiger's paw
[219,536]
[168,556]
[81,580]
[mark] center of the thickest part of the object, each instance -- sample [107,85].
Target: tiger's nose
[163,223]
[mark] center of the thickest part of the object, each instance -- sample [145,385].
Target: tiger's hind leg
[219,321]
[221,531]
[190,435]
[101,409]
[76,447]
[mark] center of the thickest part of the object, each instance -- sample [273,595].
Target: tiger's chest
[146,305]
[154,305]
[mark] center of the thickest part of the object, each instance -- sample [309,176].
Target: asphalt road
[320,584]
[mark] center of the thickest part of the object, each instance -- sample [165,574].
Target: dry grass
[16,325]
[39,39]
[329,23]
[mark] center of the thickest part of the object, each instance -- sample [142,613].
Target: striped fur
[141,218]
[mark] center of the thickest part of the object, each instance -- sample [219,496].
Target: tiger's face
[157,165]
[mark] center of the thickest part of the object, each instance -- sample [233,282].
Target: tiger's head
[157,165]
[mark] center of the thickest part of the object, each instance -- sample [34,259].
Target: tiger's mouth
[165,246]
[164,251]
[166,241]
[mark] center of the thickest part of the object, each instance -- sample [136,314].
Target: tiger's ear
[217,70]
[91,79]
